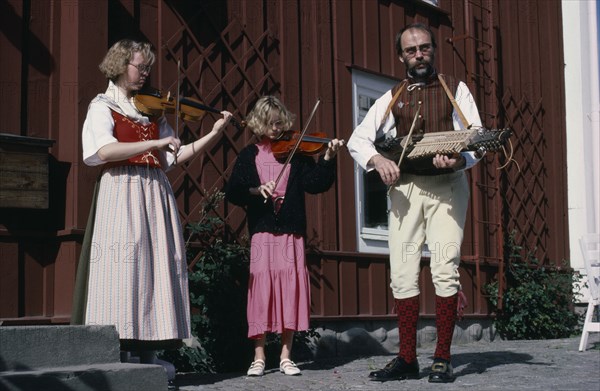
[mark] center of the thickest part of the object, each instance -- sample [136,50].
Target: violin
[310,144]
[150,102]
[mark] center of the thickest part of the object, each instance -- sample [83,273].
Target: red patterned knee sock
[445,318]
[408,315]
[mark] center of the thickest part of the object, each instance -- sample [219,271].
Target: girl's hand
[266,189]
[333,148]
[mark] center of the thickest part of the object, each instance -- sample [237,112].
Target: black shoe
[441,371]
[172,386]
[397,369]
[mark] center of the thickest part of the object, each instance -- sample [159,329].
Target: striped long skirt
[138,271]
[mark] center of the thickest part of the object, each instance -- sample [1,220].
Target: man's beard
[421,73]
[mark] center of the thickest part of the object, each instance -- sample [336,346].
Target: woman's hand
[202,143]
[333,148]
[169,144]
[222,123]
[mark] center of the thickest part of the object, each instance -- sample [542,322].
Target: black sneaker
[397,369]
[441,371]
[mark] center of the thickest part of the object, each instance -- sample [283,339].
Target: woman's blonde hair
[259,118]
[120,54]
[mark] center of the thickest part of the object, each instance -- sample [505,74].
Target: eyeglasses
[278,123]
[143,68]
[411,51]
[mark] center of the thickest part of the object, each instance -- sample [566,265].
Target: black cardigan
[306,175]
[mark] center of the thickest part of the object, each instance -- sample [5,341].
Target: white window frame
[369,240]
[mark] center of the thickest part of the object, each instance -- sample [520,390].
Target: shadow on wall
[35,51]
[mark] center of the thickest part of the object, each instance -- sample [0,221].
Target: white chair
[591,257]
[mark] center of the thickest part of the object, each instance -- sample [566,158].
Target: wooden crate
[24,172]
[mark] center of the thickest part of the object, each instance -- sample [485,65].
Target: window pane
[375,201]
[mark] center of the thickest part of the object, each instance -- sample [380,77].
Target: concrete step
[36,347]
[105,377]
[73,358]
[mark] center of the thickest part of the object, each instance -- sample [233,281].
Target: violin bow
[289,158]
[410,132]
[412,127]
[177,105]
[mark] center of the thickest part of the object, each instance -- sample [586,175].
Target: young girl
[133,272]
[279,287]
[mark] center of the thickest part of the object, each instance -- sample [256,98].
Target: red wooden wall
[231,52]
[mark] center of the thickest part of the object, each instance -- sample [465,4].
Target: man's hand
[387,169]
[455,162]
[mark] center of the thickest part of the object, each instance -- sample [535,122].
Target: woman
[137,277]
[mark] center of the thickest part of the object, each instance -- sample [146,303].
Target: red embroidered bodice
[126,130]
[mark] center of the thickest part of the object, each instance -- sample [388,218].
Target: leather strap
[393,102]
[454,104]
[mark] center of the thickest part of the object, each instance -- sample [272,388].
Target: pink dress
[279,287]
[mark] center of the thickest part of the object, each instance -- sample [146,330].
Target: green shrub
[218,283]
[538,300]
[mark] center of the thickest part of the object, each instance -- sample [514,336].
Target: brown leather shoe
[397,369]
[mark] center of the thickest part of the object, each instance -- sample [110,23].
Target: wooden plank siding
[233,51]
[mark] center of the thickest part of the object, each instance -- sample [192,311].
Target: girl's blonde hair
[259,118]
[120,54]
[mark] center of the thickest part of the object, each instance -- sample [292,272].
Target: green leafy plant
[218,280]
[538,301]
